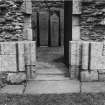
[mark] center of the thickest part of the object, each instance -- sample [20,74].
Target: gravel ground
[63,99]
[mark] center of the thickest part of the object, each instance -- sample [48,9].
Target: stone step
[50,77]
[51,71]
[52,87]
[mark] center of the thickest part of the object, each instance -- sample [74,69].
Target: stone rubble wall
[87,60]
[92,20]
[11,20]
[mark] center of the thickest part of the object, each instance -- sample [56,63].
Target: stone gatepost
[74,45]
[76,11]
[30,64]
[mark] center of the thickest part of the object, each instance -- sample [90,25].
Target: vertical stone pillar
[28,36]
[27,20]
[76,20]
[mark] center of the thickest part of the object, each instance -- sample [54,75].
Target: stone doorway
[48,31]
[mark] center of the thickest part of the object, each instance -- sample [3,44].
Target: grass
[63,99]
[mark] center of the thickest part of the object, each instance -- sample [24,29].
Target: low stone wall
[87,60]
[17,60]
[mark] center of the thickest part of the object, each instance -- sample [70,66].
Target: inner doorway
[48,31]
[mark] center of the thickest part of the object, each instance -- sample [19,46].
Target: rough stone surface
[101,76]
[89,76]
[11,20]
[12,89]
[92,20]
[52,87]
[93,87]
[16,78]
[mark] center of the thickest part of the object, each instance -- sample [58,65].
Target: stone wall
[11,20]
[87,60]
[93,20]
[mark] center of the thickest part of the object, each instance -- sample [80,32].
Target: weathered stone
[43,26]
[101,71]
[10,11]
[92,20]
[8,48]
[2,20]
[74,72]
[85,55]
[16,78]
[101,76]
[8,63]
[97,56]
[9,18]
[89,76]
[75,51]
[54,30]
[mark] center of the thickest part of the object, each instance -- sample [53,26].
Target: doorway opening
[48,31]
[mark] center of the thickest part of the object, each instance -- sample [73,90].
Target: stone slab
[43,26]
[54,30]
[76,7]
[75,33]
[97,56]
[12,89]
[8,48]
[51,71]
[85,55]
[89,76]
[21,57]
[74,51]
[92,87]
[102,77]
[8,63]
[52,87]
[50,77]
[75,21]
[62,25]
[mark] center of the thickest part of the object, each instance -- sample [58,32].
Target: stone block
[101,71]
[21,56]
[2,20]
[87,76]
[75,21]
[76,7]
[8,63]
[28,34]
[97,56]
[0,63]
[43,28]
[33,53]
[28,7]
[93,87]
[75,53]
[27,21]
[101,76]
[8,48]
[74,72]
[85,56]
[16,78]
[75,33]
[54,30]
